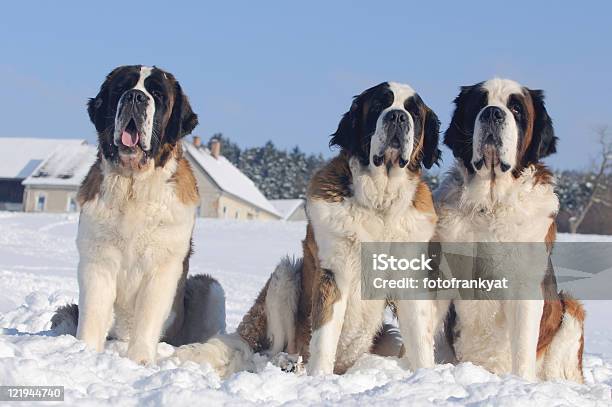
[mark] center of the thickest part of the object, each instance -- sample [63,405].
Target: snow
[229,178]
[287,207]
[38,273]
[22,155]
[67,165]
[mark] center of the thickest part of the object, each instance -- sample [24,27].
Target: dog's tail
[65,320]
[226,354]
[563,358]
[204,307]
[268,327]
[388,342]
[282,300]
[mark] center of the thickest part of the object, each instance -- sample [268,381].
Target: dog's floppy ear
[348,136]
[345,136]
[94,109]
[458,136]
[431,152]
[543,140]
[97,107]
[182,119]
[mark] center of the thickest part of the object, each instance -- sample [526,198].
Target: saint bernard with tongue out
[138,206]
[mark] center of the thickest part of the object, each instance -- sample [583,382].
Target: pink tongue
[128,140]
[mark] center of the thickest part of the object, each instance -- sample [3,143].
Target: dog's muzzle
[396,126]
[130,120]
[491,122]
[130,130]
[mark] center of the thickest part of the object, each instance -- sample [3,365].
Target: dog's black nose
[492,114]
[135,95]
[397,116]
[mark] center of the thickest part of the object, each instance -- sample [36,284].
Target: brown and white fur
[371,192]
[138,205]
[498,191]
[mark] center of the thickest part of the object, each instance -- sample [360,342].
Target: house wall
[233,208]
[216,204]
[208,190]
[56,199]
[598,221]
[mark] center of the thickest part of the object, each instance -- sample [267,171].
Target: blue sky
[286,71]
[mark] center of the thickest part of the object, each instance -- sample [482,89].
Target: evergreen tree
[277,173]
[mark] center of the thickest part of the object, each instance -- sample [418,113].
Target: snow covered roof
[67,165]
[287,207]
[22,155]
[229,178]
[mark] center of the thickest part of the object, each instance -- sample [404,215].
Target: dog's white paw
[141,354]
[289,363]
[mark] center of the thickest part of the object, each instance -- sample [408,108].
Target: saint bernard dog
[371,192]
[138,206]
[499,191]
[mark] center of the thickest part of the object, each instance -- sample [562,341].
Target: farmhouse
[225,192]
[21,158]
[53,185]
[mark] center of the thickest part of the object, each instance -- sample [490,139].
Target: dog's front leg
[97,292]
[153,306]
[417,321]
[328,313]
[524,327]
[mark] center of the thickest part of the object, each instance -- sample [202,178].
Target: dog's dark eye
[158,95]
[376,106]
[516,108]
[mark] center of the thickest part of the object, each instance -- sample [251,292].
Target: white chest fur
[134,225]
[500,336]
[381,209]
[514,210]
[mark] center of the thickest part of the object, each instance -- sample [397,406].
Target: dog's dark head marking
[498,126]
[389,124]
[137,112]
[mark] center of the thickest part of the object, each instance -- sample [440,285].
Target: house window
[72,204]
[250,216]
[41,201]
[237,214]
[225,211]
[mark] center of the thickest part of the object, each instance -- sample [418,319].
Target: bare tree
[600,181]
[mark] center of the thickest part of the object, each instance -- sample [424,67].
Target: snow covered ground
[38,273]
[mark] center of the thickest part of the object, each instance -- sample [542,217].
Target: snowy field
[38,273]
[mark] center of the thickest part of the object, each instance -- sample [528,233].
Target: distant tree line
[278,173]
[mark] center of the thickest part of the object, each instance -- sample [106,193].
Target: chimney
[215,147]
[197,141]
